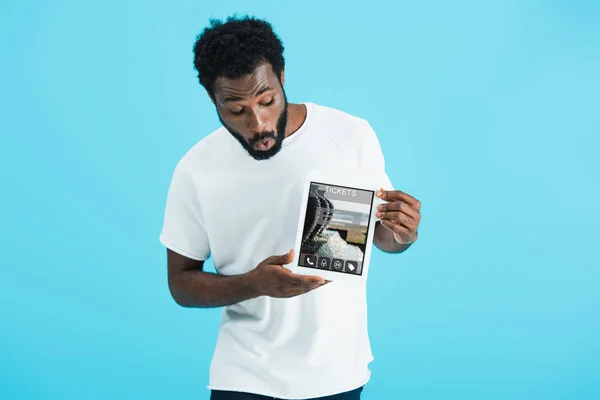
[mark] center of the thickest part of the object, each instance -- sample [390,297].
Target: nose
[256,122]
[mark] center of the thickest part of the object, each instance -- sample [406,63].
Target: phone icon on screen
[310,260]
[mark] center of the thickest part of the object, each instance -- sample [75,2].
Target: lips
[264,144]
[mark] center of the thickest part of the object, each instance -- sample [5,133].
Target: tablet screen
[336,228]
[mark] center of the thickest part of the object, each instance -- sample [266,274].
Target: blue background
[488,113]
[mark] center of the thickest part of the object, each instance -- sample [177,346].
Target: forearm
[384,240]
[193,288]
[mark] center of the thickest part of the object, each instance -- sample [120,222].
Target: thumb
[282,259]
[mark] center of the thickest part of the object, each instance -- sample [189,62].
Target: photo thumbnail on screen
[336,227]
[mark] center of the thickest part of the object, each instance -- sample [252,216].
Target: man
[235,197]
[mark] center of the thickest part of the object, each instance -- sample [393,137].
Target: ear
[282,77]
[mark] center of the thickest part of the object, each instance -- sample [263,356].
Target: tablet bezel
[347,181]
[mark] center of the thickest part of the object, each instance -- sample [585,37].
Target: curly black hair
[235,48]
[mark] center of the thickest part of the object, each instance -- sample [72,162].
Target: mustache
[262,136]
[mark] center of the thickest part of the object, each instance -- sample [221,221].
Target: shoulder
[331,116]
[343,126]
[205,152]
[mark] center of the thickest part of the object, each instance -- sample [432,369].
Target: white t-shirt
[224,204]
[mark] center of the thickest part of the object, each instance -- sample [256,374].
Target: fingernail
[379,193]
[380,207]
[379,215]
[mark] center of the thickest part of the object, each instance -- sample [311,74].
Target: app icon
[337,264]
[324,262]
[310,260]
[351,266]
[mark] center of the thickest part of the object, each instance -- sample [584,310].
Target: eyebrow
[230,99]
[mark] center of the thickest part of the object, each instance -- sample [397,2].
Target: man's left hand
[401,214]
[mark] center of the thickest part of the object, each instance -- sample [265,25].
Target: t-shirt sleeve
[373,159]
[183,227]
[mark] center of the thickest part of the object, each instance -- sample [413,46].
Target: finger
[395,205]
[400,206]
[407,215]
[399,218]
[399,229]
[281,259]
[310,280]
[392,195]
[298,279]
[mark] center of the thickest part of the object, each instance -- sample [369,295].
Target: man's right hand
[271,278]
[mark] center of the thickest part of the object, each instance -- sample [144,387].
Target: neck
[296,117]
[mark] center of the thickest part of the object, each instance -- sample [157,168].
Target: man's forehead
[247,84]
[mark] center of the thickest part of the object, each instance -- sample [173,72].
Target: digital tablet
[335,228]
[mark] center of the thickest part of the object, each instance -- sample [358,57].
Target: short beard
[278,136]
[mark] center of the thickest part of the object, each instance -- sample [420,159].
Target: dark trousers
[225,395]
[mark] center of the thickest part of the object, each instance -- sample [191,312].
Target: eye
[238,112]
[268,103]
